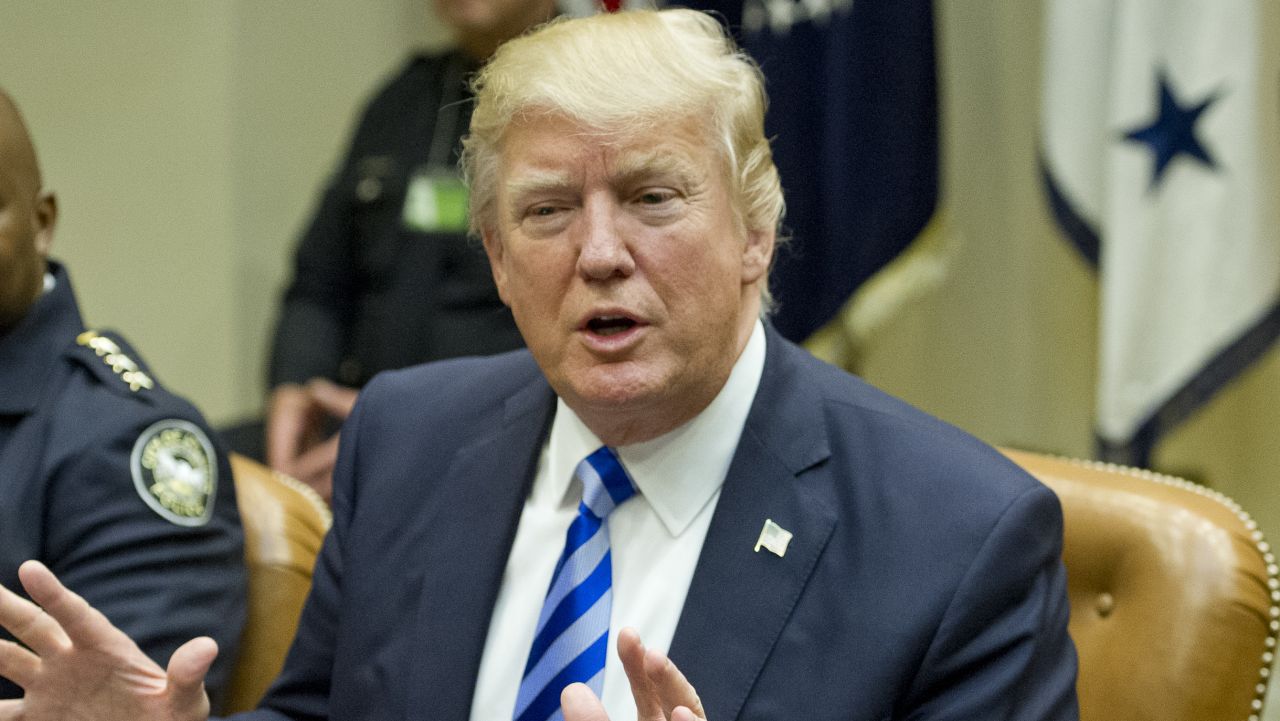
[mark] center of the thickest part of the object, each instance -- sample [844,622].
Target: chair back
[1173,594]
[284,523]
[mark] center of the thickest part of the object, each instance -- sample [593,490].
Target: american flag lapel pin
[773,537]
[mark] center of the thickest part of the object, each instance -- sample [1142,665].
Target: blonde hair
[628,71]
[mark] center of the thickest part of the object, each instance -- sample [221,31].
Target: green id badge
[436,201]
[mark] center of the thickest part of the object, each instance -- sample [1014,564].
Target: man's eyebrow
[641,165]
[533,182]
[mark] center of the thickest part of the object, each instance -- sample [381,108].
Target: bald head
[17,152]
[27,216]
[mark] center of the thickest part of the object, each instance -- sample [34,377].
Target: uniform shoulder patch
[176,471]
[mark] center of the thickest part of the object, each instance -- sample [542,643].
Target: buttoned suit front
[923,580]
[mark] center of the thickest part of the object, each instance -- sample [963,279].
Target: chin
[617,386]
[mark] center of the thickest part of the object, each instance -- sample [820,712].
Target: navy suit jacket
[924,580]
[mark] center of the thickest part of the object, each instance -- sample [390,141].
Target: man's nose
[604,252]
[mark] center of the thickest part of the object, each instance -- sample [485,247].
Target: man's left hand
[73,664]
[660,691]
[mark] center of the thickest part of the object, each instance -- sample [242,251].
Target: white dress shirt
[655,537]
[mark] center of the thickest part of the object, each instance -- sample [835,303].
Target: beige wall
[186,140]
[125,102]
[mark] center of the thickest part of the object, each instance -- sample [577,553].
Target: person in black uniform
[103,473]
[386,275]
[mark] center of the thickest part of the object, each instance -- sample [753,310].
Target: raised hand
[76,666]
[660,691]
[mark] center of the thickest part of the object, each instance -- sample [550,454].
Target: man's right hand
[659,689]
[296,420]
[76,666]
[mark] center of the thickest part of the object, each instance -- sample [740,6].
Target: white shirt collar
[49,283]
[679,471]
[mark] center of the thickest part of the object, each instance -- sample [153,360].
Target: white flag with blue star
[1161,157]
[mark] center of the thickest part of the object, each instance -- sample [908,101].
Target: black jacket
[371,291]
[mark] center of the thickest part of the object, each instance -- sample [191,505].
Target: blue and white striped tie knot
[605,483]
[572,636]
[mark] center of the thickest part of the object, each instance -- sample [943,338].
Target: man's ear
[757,255]
[46,219]
[493,248]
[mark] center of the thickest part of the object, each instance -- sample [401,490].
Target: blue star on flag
[1173,132]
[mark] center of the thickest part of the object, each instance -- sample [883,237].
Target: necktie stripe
[575,603]
[581,564]
[596,681]
[572,636]
[582,530]
[576,639]
[609,469]
[596,498]
[586,666]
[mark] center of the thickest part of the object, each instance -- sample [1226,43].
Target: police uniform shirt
[117,485]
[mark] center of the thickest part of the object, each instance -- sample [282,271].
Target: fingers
[188,667]
[315,467]
[12,710]
[578,703]
[30,625]
[671,686]
[288,423]
[18,664]
[660,691]
[631,652]
[76,620]
[336,400]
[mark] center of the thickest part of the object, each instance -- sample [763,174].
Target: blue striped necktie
[572,636]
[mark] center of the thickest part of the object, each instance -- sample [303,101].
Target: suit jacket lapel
[472,530]
[740,599]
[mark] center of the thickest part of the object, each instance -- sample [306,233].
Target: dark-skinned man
[105,476]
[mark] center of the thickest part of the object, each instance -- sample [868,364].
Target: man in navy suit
[794,541]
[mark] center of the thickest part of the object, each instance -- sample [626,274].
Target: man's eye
[655,197]
[542,211]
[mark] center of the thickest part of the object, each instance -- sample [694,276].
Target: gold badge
[176,472]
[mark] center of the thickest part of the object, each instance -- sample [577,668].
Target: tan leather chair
[284,523]
[1173,594]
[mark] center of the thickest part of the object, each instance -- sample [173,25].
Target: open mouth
[610,325]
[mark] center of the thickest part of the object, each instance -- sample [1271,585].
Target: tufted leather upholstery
[284,523]
[1173,594]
